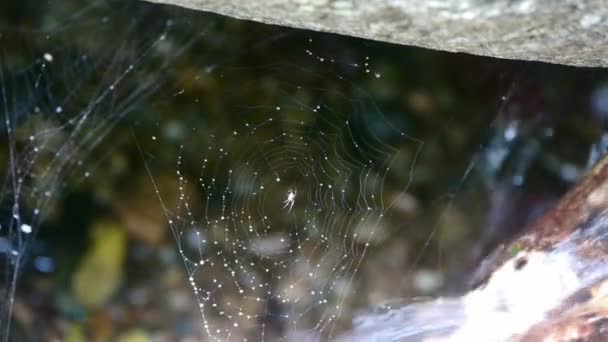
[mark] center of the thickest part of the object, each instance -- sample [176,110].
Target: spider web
[58,111]
[260,265]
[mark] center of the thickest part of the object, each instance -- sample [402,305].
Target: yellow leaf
[100,271]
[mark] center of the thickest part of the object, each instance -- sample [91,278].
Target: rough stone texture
[573,32]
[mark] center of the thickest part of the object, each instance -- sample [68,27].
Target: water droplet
[48,57]
[26,228]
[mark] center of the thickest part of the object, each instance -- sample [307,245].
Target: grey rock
[573,32]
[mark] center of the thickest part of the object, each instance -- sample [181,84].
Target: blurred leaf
[100,271]
[75,333]
[134,335]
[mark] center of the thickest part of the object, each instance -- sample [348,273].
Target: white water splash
[517,296]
